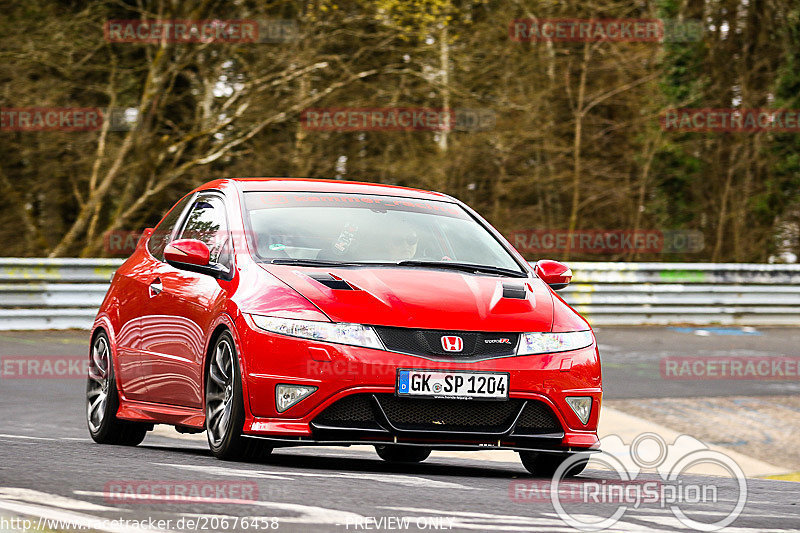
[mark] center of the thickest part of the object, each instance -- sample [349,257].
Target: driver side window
[162,235]
[207,222]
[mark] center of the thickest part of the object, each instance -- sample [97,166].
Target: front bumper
[538,382]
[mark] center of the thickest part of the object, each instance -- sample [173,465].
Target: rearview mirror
[194,256]
[557,275]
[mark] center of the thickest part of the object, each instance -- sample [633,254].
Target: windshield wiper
[465,267]
[311,262]
[445,265]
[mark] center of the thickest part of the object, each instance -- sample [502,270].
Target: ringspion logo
[625,486]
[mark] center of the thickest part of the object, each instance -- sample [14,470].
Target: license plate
[459,385]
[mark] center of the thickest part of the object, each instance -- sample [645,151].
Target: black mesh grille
[476,345]
[351,411]
[449,415]
[536,418]
[423,414]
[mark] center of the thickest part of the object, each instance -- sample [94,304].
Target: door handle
[155,287]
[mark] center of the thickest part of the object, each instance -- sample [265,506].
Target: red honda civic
[285,312]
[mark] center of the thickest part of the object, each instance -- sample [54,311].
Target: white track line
[69,519]
[409,481]
[308,514]
[6,436]
[53,500]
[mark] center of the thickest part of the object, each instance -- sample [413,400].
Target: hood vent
[331,281]
[514,291]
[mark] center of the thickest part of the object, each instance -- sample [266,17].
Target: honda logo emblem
[451,343]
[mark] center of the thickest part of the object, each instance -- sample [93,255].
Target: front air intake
[513,291]
[331,281]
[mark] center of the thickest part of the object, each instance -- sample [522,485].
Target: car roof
[324,186]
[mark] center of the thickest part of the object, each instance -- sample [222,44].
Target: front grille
[477,345]
[536,418]
[354,411]
[358,411]
[449,415]
[353,407]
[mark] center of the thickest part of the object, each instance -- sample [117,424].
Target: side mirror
[557,275]
[187,251]
[194,256]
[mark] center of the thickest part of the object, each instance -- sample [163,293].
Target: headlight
[340,333]
[531,343]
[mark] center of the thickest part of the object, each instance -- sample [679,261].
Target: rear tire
[393,453]
[225,406]
[543,464]
[102,400]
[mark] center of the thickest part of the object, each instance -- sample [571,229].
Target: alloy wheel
[97,385]
[219,400]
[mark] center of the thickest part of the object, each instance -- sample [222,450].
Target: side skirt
[157,413]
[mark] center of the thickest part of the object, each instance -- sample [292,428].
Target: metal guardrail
[65,293]
[686,293]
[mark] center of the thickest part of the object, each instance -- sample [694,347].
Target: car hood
[423,298]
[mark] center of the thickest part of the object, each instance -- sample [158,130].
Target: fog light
[581,406]
[288,395]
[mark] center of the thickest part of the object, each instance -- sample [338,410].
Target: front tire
[542,464]
[402,454]
[225,406]
[102,400]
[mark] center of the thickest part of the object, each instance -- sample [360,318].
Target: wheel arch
[102,324]
[212,340]
[222,324]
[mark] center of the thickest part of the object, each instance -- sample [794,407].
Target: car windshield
[357,228]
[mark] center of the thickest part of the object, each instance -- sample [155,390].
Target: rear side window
[162,235]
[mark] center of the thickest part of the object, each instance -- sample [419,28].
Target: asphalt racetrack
[50,470]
